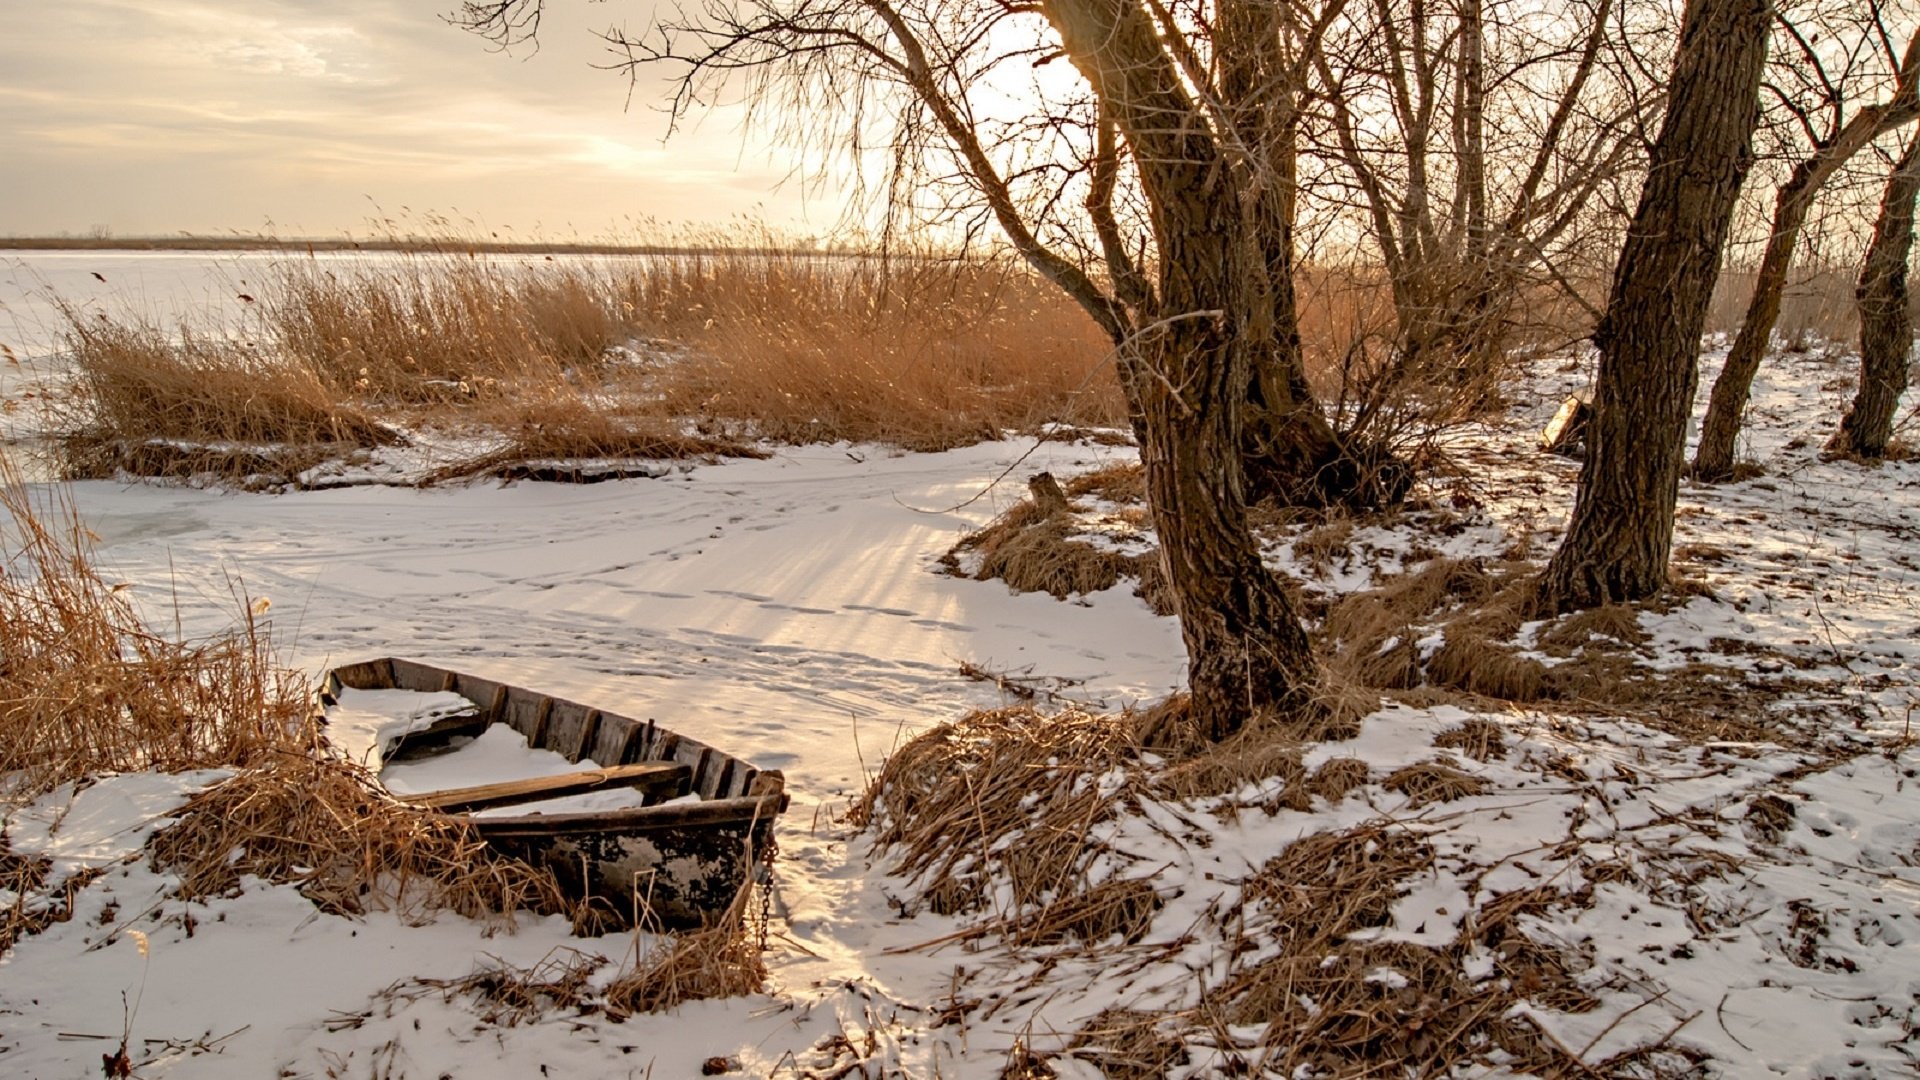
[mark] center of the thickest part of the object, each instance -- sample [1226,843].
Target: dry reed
[721,960]
[923,352]
[325,826]
[913,350]
[948,800]
[86,688]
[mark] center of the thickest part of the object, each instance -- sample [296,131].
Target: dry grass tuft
[948,802]
[1032,547]
[1123,483]
[1476,665]
[324,825]
[1317,548]
[1120,907]
[1043,557]
[1250,756]
[721,960]
[1369,637]
[1434,781]
[1769,817]
[1337,777]
[86,688]
[138,384]
[1128,1045]
[1479,738]
[1618,623]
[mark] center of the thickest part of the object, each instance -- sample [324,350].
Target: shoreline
[410,246]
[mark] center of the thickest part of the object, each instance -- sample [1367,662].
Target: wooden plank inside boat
[654,777]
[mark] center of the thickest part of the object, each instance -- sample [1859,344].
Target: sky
[325,117]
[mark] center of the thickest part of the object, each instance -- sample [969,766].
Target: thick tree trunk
[1886,324]
[1246,648]
[1713,459]
[1621,534]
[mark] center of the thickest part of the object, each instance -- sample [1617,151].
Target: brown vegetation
[943,799]
[916,351]
[88,688]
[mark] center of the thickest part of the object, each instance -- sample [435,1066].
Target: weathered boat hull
[680,865]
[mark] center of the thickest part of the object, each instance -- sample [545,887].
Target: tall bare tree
[1886,322]
[1833,147]
[1620,538]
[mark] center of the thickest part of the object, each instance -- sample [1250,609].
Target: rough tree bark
[1620,538]
[1886,324]
[1246,648]
[1713,458]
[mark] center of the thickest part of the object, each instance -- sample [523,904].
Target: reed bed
[912,350]
[921,352]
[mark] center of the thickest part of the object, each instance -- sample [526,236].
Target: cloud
[220,114]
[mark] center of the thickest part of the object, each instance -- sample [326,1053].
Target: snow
[788,611]
[364,724]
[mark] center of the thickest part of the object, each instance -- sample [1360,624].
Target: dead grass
[86,687]
[918,351]
[558,426]
[1125,1044]
[945,801]
[37,903]
[1368,638]
[1330,1005]
[507,996]
[1337,777]
[1433,781]
[150,406]
[720,960]
[323,824]
[1476,665]
[438,329]
[1034,548]
[1477,737]
[1124,483]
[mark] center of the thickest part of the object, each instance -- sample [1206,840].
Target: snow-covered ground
[788,611]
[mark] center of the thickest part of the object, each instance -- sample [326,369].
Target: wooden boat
[683,863]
